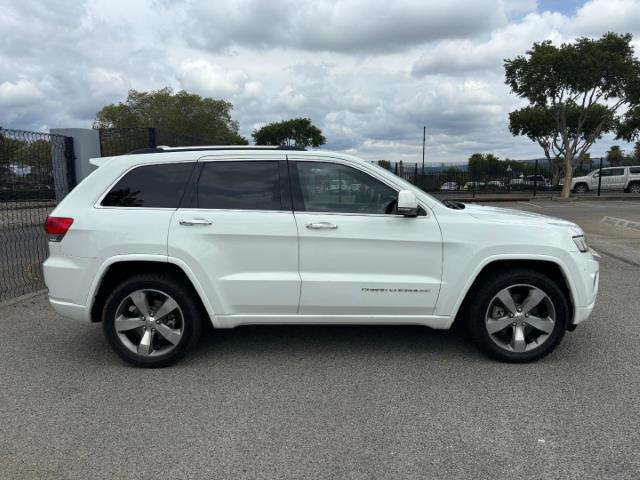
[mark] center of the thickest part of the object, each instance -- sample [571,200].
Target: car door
[618,178]
[357,256]
[612,178]
[236,232]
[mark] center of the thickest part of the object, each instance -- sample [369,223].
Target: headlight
[581,243]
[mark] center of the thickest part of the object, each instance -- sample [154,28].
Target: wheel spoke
[124,324]
[507,300]
[167,307]
[543,324]
[499,324]
[533,299]
[139,299]
[170,334]
[518,343]
[144,347]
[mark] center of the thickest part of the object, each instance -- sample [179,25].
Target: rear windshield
[151,186]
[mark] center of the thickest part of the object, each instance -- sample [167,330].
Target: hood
[508,215]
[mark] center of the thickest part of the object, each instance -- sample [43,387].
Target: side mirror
[407,203]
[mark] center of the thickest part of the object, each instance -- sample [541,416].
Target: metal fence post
[473,182]
[396,168]
[70,158]
[415,175]
[152,138]
[535,178]
[600,177]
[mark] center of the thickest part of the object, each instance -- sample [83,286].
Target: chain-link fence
[36,172]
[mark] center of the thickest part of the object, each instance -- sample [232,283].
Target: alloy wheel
[520,318]
[149,322]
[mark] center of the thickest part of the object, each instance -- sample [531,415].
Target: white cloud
[339,25]
[19,94]
[210,79]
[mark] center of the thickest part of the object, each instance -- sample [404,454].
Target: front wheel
[518,316]
[151,320]
[581,188]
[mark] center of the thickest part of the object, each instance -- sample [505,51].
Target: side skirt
[231,321]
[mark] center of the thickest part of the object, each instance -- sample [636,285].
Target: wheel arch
[549,267]
[586,185]
[630,184]
[118,269]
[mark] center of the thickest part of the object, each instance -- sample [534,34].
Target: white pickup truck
[613,178]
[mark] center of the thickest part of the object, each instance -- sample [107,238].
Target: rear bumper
[70,310]
[68,280]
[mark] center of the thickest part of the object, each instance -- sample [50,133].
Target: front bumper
[590,279]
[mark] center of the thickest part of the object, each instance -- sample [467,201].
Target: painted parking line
[532,204]
[621,222]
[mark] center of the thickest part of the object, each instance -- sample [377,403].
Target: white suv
[156,243]
[626,179]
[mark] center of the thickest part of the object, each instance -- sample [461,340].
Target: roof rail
[165,149]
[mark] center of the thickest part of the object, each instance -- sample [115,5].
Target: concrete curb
[22,298]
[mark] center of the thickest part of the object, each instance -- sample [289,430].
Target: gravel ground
[323,402]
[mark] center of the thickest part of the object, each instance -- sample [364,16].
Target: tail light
[57,227]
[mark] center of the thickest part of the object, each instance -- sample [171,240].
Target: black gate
[36,172]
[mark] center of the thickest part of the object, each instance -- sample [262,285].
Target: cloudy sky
[370,73]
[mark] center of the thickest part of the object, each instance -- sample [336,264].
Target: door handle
[322,226]
[195,221]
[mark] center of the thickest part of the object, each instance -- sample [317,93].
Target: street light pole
[424,141]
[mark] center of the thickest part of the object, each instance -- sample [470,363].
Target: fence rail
[118,141]
[531,178]
[36,172]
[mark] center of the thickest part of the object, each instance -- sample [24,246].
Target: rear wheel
[151,320]
[581,188]
[634,187]
[518,316]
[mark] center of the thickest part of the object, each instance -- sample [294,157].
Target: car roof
[185,154]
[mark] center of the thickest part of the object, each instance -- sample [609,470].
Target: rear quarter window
[634,170]
[151,186]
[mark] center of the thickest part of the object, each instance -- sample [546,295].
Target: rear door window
[151,186]
[634,170]
[240,185]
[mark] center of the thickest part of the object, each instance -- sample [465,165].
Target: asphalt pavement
[296,402]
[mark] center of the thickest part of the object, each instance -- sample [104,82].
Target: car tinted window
[634,170]
[151,186]
[331,187]
[610,172]
[247,185]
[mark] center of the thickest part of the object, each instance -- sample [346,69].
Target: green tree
[298,132]
[634,157]
[182,112]
[575,81]
[538,124]
[615,156]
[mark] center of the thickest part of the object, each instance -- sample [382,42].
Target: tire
[634,187]
[505,344]
[138,337]
[581,188]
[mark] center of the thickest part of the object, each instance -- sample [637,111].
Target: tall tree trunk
[568,176]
